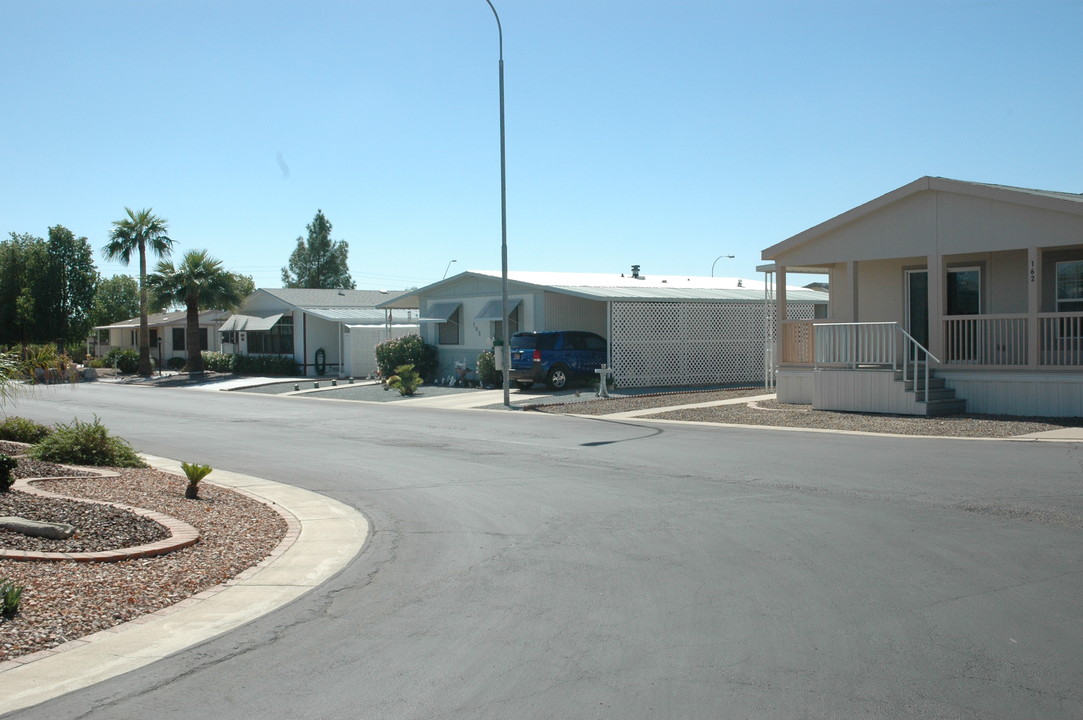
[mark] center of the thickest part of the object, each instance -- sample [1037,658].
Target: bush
[125,360]
[176,363]
[406,380]
[406,350]
[86,443]
[18,429]
[98,363]
[283,365]
[7,464]
[486,369]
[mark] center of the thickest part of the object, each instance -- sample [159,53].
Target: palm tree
[199,281]
[139,232]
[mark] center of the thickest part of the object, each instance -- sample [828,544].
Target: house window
[276,341]
[229,337]
[178,338]
[103,337]
[964,291]
[1070,286]
[153,337]
[448,331]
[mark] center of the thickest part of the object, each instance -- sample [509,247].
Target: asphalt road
[534,566]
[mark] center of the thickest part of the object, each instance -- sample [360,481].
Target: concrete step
[939,408]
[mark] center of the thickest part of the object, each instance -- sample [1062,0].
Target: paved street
[523,565]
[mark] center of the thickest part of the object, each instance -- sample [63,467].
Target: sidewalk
[324,535]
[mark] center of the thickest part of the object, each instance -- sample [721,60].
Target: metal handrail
[867,348]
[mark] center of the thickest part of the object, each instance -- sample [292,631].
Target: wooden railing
[797,342]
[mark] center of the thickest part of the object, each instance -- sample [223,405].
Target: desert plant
[486,369]
[194,473]
[86,443]
[7,464]
[406,380]
[10,597]
[125,360]
[20,429]
[409,349]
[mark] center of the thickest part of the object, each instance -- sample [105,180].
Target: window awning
[492,309]
[250,322]
[440,312]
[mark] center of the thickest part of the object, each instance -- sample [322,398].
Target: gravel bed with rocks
[62,601]
[771,413]
[629,403]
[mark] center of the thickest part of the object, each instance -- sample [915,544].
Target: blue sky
[657,133]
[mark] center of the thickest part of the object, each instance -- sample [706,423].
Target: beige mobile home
[977,287]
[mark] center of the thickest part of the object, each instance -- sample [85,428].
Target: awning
[250,322]
[440,312]
[492,309]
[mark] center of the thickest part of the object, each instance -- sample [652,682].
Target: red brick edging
[181,534]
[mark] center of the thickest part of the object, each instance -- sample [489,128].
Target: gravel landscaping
[771,413]
[65,600]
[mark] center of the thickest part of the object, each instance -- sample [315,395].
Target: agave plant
[195,473]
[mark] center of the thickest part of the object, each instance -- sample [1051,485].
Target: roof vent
[635,271]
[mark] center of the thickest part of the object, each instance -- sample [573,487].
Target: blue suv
[555,358]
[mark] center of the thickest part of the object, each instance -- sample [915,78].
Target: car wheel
[557,378]
[524,385]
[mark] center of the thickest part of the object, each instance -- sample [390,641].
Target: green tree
[136,234]
[22,259]
[70,280]
[320,262]
[116,299]
[245,285]
[198,281]
[46,288]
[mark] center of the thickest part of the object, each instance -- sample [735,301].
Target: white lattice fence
[667,344]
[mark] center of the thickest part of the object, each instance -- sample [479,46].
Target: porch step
[939,401]
[939,408]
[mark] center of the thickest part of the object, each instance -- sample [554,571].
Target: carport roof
[619,288]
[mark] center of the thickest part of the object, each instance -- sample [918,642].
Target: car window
[522,342]
[546,342]
[593,342]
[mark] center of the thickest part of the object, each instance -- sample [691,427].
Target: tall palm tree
[137,233]
[199,281]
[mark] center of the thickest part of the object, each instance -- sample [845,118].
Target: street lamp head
[716,260]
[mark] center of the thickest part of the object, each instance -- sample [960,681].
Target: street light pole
[448,267]
[504,351]
[716,260]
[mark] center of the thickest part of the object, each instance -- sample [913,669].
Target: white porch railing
[987,341]
[997,340]
[884,344]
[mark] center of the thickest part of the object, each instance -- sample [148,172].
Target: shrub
[7,464]
[486,369]
[194,473]
[98,363]
[406,380]
[18,429]
[283,365]
[86,443]
[10,597]
[406,350]
[124,360]
[175,363]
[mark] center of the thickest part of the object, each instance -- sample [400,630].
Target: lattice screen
[667,344]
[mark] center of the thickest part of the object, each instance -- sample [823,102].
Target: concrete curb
[323,537]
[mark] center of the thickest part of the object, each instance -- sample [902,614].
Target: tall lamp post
[716,260]
[504,348]
[448,267]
